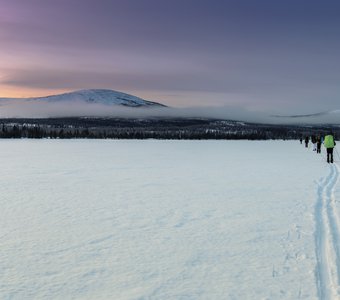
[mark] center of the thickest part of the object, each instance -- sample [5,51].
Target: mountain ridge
[101,96]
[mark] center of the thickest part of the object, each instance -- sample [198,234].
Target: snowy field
[86,219]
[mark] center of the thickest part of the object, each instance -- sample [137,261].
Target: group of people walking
[318,140]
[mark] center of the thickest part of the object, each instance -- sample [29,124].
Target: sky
[280,57]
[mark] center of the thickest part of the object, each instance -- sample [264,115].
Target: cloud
[18,108]
[270,55]
[189,80]
[277,95]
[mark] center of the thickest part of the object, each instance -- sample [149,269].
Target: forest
[157,128]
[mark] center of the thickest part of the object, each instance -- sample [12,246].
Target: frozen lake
[106,219]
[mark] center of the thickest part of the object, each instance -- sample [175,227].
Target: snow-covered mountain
[99,96]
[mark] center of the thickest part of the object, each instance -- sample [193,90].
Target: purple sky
[277,56]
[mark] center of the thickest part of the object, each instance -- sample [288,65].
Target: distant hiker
[314,142]
[306,141]
[318,144]
[301,140]
[329,144]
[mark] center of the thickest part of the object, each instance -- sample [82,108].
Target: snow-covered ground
[85,219]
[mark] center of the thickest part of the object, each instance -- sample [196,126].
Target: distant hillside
[100,96]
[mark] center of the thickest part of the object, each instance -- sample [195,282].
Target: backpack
[329,141]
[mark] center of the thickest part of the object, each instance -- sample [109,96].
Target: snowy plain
[108,219]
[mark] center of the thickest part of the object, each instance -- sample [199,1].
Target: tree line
[196,132]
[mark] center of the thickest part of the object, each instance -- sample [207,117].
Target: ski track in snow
[327,238]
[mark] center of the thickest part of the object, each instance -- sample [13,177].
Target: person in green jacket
[329,144]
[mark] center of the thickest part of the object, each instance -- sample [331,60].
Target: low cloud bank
[17,108]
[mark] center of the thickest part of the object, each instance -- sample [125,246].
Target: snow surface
[89,219]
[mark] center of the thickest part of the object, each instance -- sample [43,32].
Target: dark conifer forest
[174,128]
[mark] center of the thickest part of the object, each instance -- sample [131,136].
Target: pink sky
[280,56]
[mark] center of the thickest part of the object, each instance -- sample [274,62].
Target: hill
[99,96]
